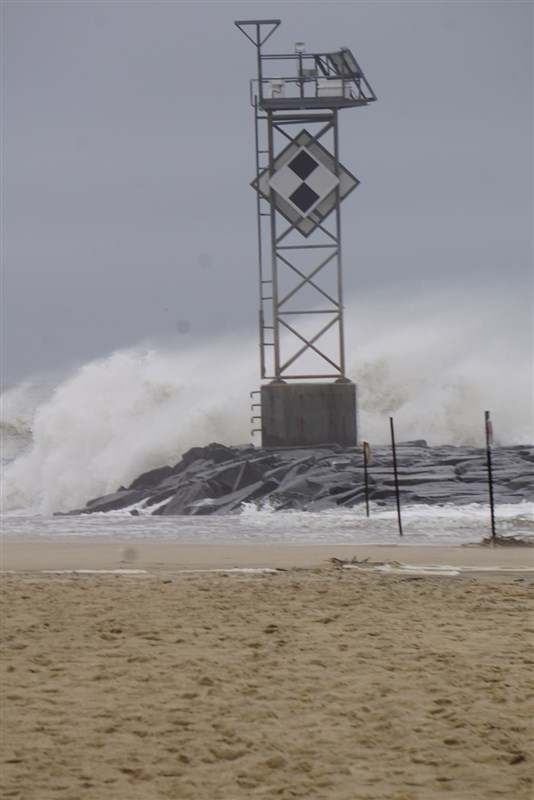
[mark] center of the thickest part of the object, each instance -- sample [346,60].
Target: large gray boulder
[218,479]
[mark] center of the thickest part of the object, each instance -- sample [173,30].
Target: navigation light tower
[300,183]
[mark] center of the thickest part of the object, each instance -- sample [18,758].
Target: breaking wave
[435,371]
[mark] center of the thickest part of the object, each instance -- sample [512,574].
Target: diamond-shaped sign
[304,182]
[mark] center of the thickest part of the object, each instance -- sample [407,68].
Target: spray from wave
[117,417]
[141,408]
[19,407]
[436,366]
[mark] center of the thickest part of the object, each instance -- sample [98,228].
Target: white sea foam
[120,416]
[434,368]
[422,524]
[19,406]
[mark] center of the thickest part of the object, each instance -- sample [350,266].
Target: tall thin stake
[366,459]
[395,471]
[489,445]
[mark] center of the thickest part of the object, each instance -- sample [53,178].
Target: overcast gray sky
[127,152]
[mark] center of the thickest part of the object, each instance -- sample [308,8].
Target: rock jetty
[217,479]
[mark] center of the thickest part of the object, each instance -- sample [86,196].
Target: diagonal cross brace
[308,279]
[308,343]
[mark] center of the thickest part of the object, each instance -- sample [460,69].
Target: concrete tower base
[303,414]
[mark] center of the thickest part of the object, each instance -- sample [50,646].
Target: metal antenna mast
[300,184]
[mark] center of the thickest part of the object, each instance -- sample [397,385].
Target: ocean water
[422,524]
[435,369]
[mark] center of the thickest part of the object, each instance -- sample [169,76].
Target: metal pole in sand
[489,445]
[395,472]
[366,459]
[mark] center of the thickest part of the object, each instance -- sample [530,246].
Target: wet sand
[89,553]
[311,681]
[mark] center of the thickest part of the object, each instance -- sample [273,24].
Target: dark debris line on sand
[217,479]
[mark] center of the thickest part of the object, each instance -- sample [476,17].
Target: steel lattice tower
[300,183]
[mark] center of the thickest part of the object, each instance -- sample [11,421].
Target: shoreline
[159,556]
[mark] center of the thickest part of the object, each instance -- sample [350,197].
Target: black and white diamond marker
[303,182]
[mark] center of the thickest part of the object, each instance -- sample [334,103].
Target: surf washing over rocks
[115,418]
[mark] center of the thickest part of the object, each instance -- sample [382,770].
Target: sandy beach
[311,680]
